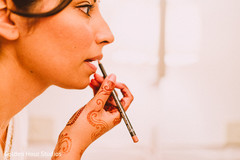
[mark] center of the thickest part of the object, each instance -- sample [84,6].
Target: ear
[8,29]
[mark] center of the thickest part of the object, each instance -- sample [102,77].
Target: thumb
[104,92]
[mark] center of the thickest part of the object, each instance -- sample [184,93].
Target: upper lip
[98,57]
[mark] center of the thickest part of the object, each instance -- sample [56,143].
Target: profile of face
[57,50]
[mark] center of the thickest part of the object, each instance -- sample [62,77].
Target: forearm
[70,146]
[81,130]
[76,137]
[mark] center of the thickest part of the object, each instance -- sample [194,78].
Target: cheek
[71,36]
[57,48]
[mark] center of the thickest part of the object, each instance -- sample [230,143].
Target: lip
[98,57]
[92,66]
[89,61]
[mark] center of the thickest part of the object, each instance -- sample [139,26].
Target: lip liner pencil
[120,108]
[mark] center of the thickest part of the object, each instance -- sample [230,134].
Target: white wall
[200,99]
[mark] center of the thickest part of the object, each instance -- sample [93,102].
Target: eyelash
[89,8]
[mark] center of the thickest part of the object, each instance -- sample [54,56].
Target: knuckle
[124,85]
[132,97]
[117,120]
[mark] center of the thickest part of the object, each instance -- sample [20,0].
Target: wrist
[70,145]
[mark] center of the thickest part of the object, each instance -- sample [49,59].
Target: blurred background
[180,59]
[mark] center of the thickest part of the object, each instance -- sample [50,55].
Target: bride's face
[58,49]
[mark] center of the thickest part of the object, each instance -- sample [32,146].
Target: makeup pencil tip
[99,62]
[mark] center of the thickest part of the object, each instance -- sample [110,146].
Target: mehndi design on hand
[75,117]
[63,146]
[99,124]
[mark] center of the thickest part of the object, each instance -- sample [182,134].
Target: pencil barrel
[120,107]
[123,113]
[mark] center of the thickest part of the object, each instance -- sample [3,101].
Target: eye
[86,8]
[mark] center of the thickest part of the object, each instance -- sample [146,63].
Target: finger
[94,85]
[98,78]
[110,102]
[116,116]
[104,92]
[110,108]
[127,95]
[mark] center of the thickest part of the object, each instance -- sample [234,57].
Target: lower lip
[92,66]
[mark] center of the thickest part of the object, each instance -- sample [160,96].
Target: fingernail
[112,77]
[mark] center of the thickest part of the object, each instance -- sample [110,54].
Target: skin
[54,52]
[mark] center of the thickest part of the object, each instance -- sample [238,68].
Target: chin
[76,85]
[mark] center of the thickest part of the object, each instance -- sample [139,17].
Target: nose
[104,35]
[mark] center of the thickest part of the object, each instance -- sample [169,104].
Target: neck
[17,88]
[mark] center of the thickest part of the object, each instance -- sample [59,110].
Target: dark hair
[23,5]
[23,8]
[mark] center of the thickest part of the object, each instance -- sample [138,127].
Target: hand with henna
[90,122]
